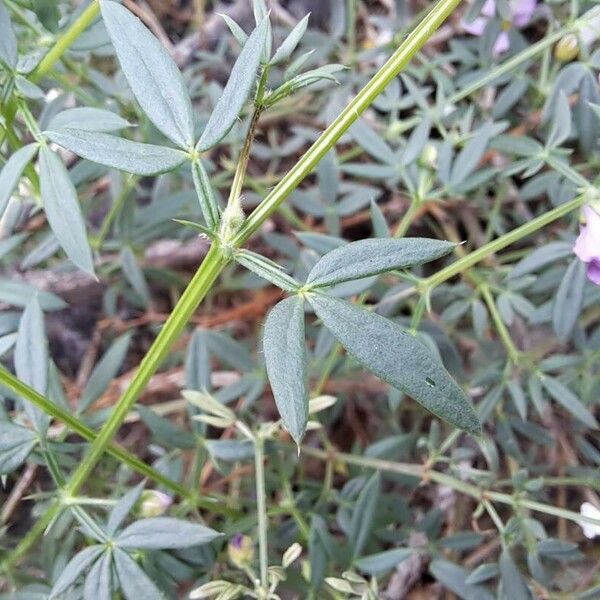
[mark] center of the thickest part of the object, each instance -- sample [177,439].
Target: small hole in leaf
[430,382]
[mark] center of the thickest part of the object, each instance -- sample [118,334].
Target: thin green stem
[513,353]
[498,244]
[242,164]
[422,472]
[261,509]
[122,455]
[66,40]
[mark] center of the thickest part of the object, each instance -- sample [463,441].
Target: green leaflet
[206,195]
[122,508]
[104,372]
[569,299]
[98,581]
[88,119]
[235,94]
[373,256]
[12,171]
[285,357]
[74,569]
[31,358]
[383,561]
[291,41]
[62,210]
[161,533]
[468,158]
[363,514]
[8,41]
[568,400]
[397,357]
[267,269]
[152,74]
[112,151]
[134,582]
[16,443]
[47,11]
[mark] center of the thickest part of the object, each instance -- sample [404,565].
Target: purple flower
[587,245]
[521,13]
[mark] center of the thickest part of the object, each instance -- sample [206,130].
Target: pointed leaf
[76,566]
[31,358]
[566,398]
[235,94]
[98,581]
[119,153]
[162,533]
[397,357]
[561,122]
[63,211]
[373,256]
[104,372]
[383,561]
[468,158]
[123,507]
[88,119]
[152,74]
[16,443]
[513,584]
[285,358]
[206,195]
[291,41]
[569,299]
[267,269]
[8,40]
[363,514]
[12,171]
[134,582]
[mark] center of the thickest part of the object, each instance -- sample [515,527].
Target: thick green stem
[193,295]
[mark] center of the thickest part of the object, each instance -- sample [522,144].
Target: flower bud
[428,158]
[240,550]
[154,503]
[567,48]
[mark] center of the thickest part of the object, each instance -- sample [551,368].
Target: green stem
[261,509]
[513,353]
[197,289]
[75,425]
[66,40]
[242,164]
[494,246]
[422,472]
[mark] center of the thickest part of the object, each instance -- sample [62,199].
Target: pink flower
[587,245]
[521,13]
